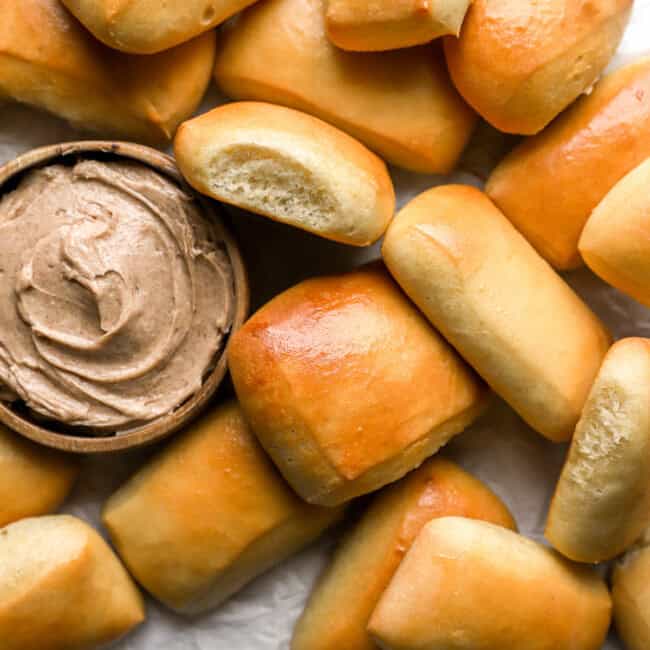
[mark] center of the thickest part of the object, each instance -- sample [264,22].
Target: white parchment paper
[517,463]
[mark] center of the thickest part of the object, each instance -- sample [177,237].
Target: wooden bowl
[167,424]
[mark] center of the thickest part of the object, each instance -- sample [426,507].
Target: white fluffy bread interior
[604,485]
[295,182]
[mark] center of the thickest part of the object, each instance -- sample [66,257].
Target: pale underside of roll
[499,304]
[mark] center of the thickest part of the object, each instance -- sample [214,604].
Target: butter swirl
[114,294]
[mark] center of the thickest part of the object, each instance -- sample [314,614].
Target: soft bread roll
[62,588]
[376,546]
[471,584]
[400,104]
[360,26]
[288,166]
[631,596]
[499,304]
[33,480]
[208,514]
[519,64]
[602,500]
[150,26]
[549,185]
[347,386]
[615,243]
[48,60]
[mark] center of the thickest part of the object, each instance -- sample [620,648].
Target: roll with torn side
[631,596]
[471,584]
[499,304]
[520,64]
[367,559]
[347,386]
[549,184]
[615,243]
[400,104]
[208,514]
[289,166]
[601,503]
[48,60]
[360,26]
[150,26]
[33,480]
[62,588]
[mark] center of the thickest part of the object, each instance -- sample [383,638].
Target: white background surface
[517,463]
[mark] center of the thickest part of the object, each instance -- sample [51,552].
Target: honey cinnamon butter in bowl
[118,291]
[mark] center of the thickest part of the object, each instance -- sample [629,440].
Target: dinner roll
[519,64]
[472,584]
[388,24]
[288,166]
[602,500]
[61,587]
[631,596]
[48,60]
[208,514]
[347,386]
[499,304]
[549,185]
[400,104]
[615,243]
[374,549]
[149,26]
[33,480]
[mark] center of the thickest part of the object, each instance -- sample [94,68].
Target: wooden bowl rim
[165,425]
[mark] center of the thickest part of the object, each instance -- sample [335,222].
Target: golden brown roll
[33,480]
[62,588]
[288,166]
[400,104]
[549,185]
[362,26]
[602,500]
[519,64]
[150,26]
[366,561]
[347,386]
[631,596]
[208,514]
[499,304]
[48,60]
[472,584]
[615,243]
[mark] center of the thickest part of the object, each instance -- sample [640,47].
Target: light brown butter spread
[115,295]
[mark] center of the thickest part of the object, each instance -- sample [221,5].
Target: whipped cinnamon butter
[115,295]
